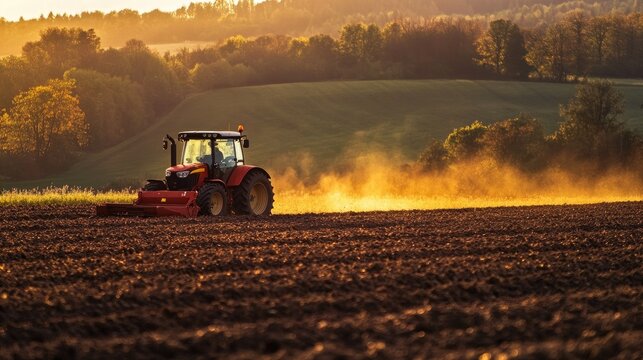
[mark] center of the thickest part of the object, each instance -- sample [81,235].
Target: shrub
[518,142]
[434,157]
[465,142]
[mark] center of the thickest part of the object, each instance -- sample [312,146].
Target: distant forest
[218,20]
[66,93]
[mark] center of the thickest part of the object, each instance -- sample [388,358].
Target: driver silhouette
[218,155]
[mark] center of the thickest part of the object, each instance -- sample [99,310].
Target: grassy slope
[326,120]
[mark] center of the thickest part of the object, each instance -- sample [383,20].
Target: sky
[29,9]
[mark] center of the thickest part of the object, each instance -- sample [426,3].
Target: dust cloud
[378,182]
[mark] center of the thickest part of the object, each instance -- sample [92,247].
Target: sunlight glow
[31,9]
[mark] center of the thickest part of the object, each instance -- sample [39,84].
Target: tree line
[121,91]
[576,47]
[219,19]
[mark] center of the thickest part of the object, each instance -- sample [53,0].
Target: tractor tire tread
[241,195]
[205,196]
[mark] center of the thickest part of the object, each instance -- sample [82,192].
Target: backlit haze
[29,9]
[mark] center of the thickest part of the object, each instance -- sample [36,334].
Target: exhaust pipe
[172,149]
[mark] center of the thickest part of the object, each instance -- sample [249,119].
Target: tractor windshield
[197,150]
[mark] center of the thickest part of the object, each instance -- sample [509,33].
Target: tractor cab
[205,155]
[223,149]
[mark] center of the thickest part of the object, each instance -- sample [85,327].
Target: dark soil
[529,283]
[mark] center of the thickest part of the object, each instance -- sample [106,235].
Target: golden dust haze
[376,182]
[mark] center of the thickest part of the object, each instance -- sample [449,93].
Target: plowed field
[532,282]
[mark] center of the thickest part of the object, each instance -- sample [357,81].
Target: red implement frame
[155,203]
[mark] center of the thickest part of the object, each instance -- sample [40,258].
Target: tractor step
[155,203]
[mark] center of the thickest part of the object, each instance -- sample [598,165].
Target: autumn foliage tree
[45,124]
[502,48]
[60,49]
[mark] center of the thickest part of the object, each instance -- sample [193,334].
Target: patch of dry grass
[65,195]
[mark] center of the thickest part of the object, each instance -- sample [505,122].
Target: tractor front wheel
[212,200]
[254,196]
[155,186]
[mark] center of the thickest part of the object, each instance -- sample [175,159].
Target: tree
[210,76]
[161,86]
[45,121]
[634,43]
[15,75]
[537,52]
[351,43]
[372,43]
[556,40]
[492,46]
[360,44]
[595,108]
[549,52]
[502,47]
[618,44]
[597,32]
[60,49]
[114,62]
[243,9]
[320,57]
[592,128]
[391,38]
[233,44]
[577,24]
[270,56]
[516,55]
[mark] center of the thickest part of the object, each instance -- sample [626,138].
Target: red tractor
[212,179]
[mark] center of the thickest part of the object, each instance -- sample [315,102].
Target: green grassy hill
[331,121]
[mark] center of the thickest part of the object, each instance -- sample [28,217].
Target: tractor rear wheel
[155,186]
[254,196]
[212,200]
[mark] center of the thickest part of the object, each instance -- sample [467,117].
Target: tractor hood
[185,177]
[188,167]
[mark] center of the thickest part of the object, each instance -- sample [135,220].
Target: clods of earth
[528,283]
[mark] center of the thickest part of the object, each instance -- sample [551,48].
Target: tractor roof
[209,134]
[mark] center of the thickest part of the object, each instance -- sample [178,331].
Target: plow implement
[155,203]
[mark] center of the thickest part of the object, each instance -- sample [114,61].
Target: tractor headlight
[183,174]
[168,173]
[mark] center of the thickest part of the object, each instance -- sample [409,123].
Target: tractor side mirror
[164,144]
[246,143]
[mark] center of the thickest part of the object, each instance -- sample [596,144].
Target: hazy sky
[14,9]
